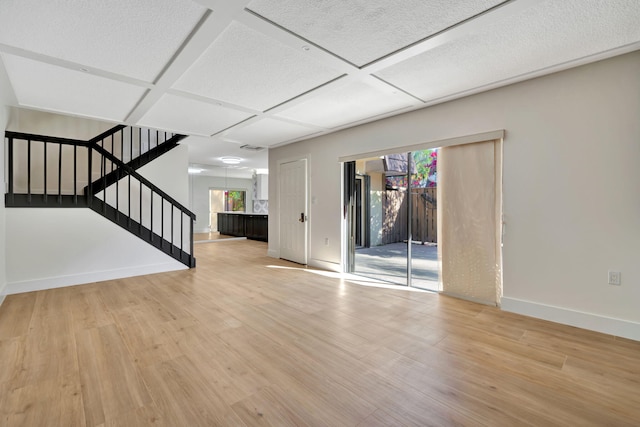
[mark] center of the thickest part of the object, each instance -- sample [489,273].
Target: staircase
[101,174]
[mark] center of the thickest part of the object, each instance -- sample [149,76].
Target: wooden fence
[424,227]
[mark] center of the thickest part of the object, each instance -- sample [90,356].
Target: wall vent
[251,147]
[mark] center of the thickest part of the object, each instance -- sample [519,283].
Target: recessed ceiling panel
[348,104]
[48,87]
[189,116]
[267,132]
[363,31]
[133,38]
[247,68]
[542,36]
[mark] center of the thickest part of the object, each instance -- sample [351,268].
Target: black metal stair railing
[46,171]
[137,205]
[134,146]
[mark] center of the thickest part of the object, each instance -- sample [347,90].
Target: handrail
[145,181]
[106,133]
[45,138]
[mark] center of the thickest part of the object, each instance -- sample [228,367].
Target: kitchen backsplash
[261,206]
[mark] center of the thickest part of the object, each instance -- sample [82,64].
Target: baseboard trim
[2,297]
[579,319]
[325,265]
[85,278]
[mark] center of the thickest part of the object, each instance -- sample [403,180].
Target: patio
[389,263]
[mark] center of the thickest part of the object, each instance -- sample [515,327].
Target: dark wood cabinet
[251,226]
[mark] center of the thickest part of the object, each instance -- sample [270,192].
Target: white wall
[51,124]
[4,116]
[53,247]
[7,97]
[199,187]
[571,200]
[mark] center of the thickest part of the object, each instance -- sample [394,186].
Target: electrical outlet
[614,278]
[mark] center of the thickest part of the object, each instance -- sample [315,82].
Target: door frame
[495,135]
[306,204]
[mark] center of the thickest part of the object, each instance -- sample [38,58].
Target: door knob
[301,217]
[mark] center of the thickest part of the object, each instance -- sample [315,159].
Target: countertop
[243,213]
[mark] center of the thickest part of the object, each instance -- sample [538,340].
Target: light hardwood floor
[246,340]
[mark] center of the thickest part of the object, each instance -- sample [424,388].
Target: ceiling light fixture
[306,48]
[230,160]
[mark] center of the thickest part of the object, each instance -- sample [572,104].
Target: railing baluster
[112,150]
[162,217]
[29,171]
[140,218]
[89,194]
[172,229]
[59,174]
[151,216]
[118,195]
[131,145]
[45,171]
[122,145]
[104,184]
[129,207]
[181,232]
[190,242]
[10,160]
[75,174]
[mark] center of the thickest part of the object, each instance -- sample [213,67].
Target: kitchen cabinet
[239,224]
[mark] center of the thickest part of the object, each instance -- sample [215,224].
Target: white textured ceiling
[535,38]
[362,31]
[45,86]
[191,116]
[268,132]
[277,72]
[348,104]
[268,72]
[133,38]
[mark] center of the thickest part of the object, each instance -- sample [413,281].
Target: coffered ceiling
[272,72]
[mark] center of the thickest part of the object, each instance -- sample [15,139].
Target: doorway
[293,211]
[224,201]
[393,213]
[438,226]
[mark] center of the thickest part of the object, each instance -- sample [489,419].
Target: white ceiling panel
[348,104]
[244,67]
[44,86]
[190,116]
[134,38]
[362,31]
[267,132]
[545,35]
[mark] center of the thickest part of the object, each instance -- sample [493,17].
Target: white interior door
[293,211]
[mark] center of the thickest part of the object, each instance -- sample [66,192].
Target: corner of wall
[4,117]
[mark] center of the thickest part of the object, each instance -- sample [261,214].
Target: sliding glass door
[390,209]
